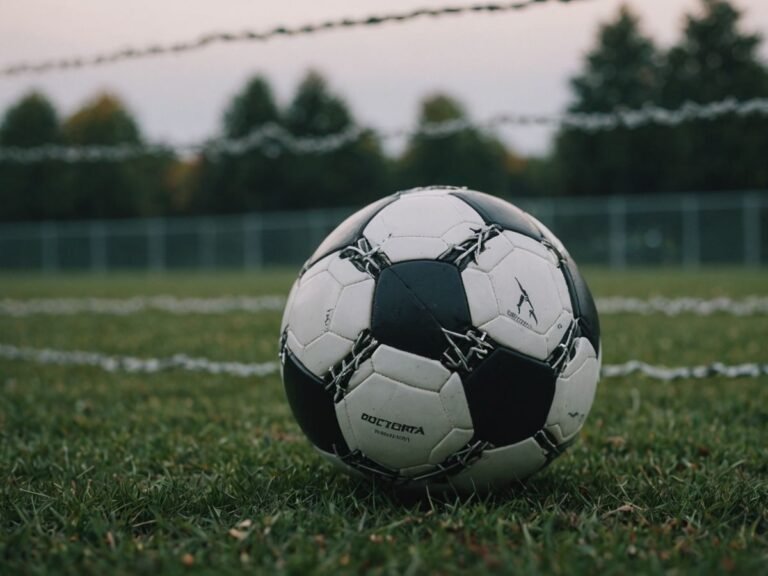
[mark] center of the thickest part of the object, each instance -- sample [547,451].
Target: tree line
[714,59]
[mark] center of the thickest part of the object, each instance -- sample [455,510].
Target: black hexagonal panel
[496,211]
[584,308]
[414,301]
[509,397]
[349,231]
[312,406]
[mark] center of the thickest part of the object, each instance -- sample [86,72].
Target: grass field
[191,473]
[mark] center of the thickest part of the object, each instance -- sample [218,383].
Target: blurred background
[246,154]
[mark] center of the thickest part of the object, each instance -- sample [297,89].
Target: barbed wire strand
[747,306]
[273,140]
[213,38]
[134,365]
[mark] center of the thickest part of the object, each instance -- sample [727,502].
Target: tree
[351,175]
[468,157]
[622,71]
[715,60]
[245,182]
[532,176]
[108,189]
[29,191]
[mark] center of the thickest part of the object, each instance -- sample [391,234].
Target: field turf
[185,473]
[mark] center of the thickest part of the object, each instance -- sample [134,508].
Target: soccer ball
[440,337]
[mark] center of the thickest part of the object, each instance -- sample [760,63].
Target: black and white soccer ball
[441,336]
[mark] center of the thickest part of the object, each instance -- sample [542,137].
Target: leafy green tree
[714,60]
[532,176]
[29,192]
[352,175]
[244,182]
[622,71]
[107,189]
[468,157]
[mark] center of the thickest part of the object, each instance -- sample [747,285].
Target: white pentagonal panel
[395,425]
[364,370]
[501,466]
[455,403]
[289,305]
[430,191]
[410,369]
[494,251]
[313,306]
[454,441]
[509,333]
[328,308]
[574,392]
[522,242]
[550,237]
[293,344]
[441,218]
[558,330]
[318,267]
[480,296]
[399,249]
[526,291]
[529,289]
[562,289]
[345,425]
[345,272]
[458,233]
[328,350]
[353,309]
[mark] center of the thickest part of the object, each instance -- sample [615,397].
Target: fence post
[156,244]
[752,231]
[618,232]
[691,247]
[206,233]
[98,246]
[317,220]
[545,212]
[49,244]
[253,255]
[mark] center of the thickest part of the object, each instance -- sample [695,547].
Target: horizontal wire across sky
[213,38]
[273,140]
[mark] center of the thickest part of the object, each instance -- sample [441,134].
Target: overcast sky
[510,62]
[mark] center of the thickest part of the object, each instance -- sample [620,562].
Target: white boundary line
[748,306]
[134,365]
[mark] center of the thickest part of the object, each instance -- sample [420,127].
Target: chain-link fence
[672,230]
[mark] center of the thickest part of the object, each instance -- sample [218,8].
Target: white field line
[133,365]
[748,306]
[137,304]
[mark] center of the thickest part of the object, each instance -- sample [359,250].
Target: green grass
[191,473]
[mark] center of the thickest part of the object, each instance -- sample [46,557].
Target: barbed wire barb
[212,38]
[272,139]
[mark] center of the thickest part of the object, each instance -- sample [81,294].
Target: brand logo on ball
[523,302]
[389,425]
